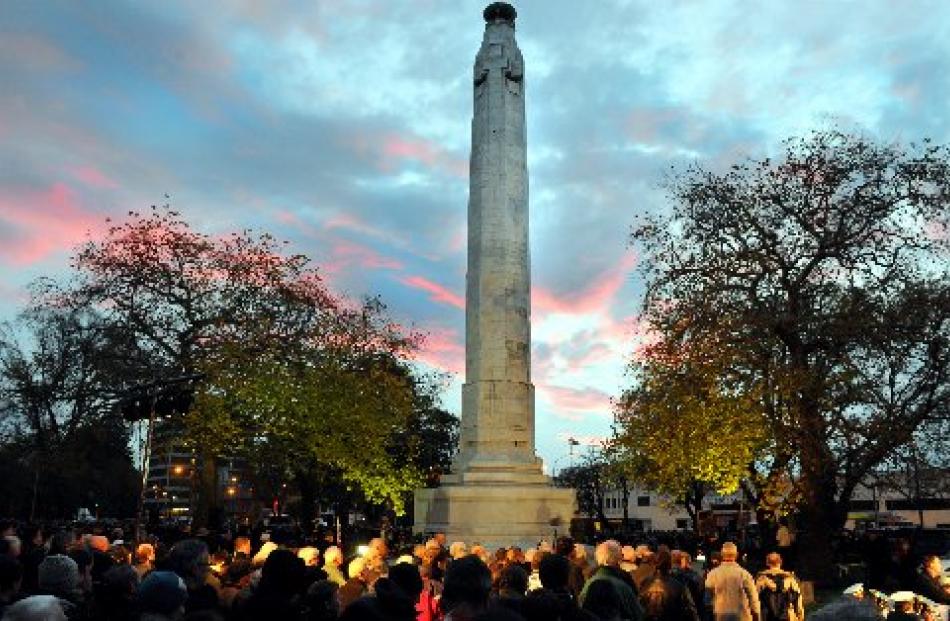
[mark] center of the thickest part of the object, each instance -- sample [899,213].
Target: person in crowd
[784,538]
[603,601]
[144,559]
[83,559]
[34,551]
[646,567]
[359,584]
[662,597]
[36,608]
[511,587]
[683,572]
[566,547]
[608,555]
[533,558]
[115,596]
[731,589]
[10,544]
[258,560]
[780,595]
[190,559]
[332,559]
[628,561]
[466,589]
[161,597]
[457,550]
[555,572]
[62,541]
[929,582]
[278,593]
[309,555]
[322,601]
[58,576]
[11,579]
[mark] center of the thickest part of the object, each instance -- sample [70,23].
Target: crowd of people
[83,576]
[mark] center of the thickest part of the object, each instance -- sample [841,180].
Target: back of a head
[407,577]
[185,555]
[356,567]
[283,572]
[555,572]
[514,578]
[608,553]
[144,553]
[332,556]
[58,575]
[602,600]
[564,546]
[162,592]
[36,608]
[773,560]
[729,551]
[322,600]
[467,582]
[309,555]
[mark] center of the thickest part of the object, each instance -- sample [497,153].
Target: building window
[643,501]
[682,524]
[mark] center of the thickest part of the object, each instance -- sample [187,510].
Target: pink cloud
[43,223]
[396,148]
[93,177]
[392,151]
[443,349]
[347,254]
[596,297]
[35,52]
[439,293]
[567,399]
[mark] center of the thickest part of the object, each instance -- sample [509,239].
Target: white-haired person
[309,555]
[457,550]
[608,555]
[332,560]
[731,589]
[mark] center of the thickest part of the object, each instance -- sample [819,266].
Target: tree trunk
[625,490]
[207,500]
[820,512]
[308,497]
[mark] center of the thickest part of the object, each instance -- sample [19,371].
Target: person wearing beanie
[36,608]
[58,575]
[162,596]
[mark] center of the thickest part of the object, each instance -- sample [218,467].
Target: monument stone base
[495,514]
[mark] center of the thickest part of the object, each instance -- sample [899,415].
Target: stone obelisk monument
[497,493]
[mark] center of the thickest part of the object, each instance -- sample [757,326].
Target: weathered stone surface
[497,488]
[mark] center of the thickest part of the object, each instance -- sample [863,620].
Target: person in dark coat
[662,597]
[929,581]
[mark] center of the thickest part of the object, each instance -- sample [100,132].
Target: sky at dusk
[343,126]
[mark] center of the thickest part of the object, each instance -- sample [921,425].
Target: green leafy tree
[818,285]
[290,369]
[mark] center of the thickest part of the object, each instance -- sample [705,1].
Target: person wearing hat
[162,596]
[36,608]
[58,575]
